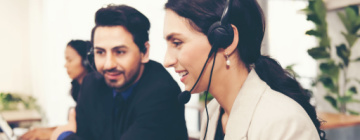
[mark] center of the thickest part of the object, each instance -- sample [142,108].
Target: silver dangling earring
[227,60]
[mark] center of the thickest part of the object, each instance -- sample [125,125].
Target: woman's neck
[227,86]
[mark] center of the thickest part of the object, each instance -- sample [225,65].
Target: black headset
[220,33]
[87,64]
[89,61]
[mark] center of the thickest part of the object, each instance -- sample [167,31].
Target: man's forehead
[111,31]
[109,37]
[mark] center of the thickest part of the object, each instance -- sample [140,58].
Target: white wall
[14,41]
[287,40]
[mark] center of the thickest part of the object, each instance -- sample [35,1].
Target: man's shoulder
[92,82]
[93,77]
[158,75]
[155,67]
[157,79]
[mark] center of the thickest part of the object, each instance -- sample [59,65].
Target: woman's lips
[183,75]
[183,78]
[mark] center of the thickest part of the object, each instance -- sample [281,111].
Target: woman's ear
[232,47]
[145,55]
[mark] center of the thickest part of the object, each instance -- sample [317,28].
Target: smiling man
[130,97]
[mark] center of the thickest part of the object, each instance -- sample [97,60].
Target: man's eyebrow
[99,48]
[114,48]
[119,47]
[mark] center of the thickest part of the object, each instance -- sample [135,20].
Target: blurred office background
[34,33]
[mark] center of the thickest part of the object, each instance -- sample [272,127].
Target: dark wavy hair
[82,48]
[248,18]
[133,20]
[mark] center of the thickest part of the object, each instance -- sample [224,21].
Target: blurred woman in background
[77,66]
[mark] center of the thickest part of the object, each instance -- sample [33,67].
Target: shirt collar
[125,94]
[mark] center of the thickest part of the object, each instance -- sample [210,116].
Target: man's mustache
[113,71]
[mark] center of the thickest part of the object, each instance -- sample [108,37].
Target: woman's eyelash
[177,42]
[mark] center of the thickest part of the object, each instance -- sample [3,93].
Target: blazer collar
[214,112]
[244,107]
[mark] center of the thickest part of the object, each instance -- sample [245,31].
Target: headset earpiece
[220,33]
[220,36]
[87,65]
[88,62]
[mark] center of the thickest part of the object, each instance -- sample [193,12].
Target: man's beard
[127,81]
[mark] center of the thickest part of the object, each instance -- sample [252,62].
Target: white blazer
[260,113]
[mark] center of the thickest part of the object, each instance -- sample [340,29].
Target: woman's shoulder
[278,116]
[277,109]
[274,103]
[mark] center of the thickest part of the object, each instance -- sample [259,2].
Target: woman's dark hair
[82,48]
[133,20]
[248,18]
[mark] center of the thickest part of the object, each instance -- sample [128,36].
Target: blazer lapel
[244,107]
[103,113]
[213,120]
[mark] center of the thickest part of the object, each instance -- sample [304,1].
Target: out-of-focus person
[77,66]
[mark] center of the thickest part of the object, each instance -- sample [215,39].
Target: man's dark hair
[130,18]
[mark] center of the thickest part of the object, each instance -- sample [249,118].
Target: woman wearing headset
[77,67]
[255,98]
